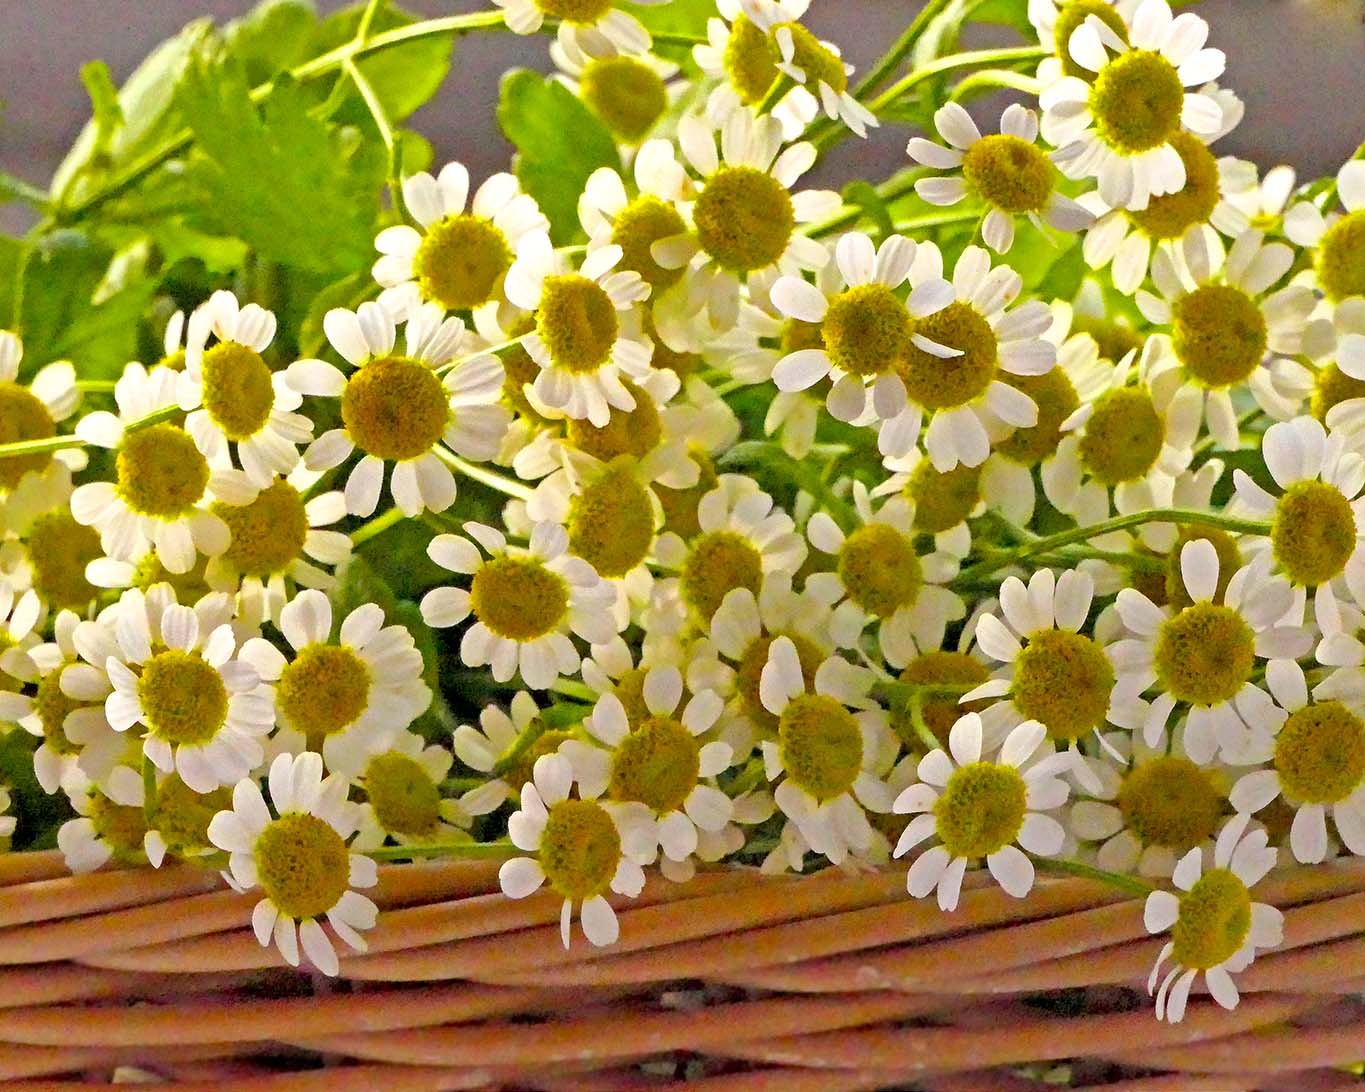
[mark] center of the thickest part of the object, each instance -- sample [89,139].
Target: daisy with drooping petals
[744,219]
[661,762]
[398,409]
[299,859]
[1119,129]
[579,341]
[1318,520]
[459,256]
[203,710]
[525,601]
[867,333]
[579,850]
[110,823]
[1215,927]
[594,27]
[493,745]
[342,697]
[32,412]
[1202,656]
[1006,170]
[880,574]
[1338,242]
[232,396]
[829,763]
[163,485]
[979,808]
[1224,318]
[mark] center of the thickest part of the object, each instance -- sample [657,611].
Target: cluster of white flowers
[812,547]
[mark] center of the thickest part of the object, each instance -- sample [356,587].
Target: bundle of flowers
[651,507]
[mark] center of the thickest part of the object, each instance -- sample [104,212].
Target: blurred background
[1298,64]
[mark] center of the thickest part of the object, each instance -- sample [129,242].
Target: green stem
[899,186]
[994,78]
[39,447]
[95,386]
[484,476]
[972,59]
[1129,885]
[472,851]
[571,689]
[524,742]
[776,90]
[385,127]
[881,71]
[1118,523]
[156,417]
[375,527]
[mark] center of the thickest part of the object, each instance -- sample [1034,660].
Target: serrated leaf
[683,17]
[559,144]
[278,178]
[273,36]
[1012,13]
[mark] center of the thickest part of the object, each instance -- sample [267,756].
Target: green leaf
[682,17]
[559,144]
[347,292]
[279,179]
[1011,13]
[108,115]
[273,36]
[865,196]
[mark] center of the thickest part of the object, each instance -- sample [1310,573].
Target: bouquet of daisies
[651,507]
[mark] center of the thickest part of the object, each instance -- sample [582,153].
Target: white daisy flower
[1056,20]
[881,574]
[110,823]
[1202,657]
[204,713]
[579,850]
[32,411]
[1338,242]
[496,748]
[463,250]
[1261,200]
[744,220]
[978,808]
[342,697]
[595,27]
[628,94]
[1318,766]
[525,601]
[1215,927]
[299,859]
[163,485]
[232,395]
[399,409]
[1119,129]
[1006,170]
[828,763]
[1224,319]
[867,333]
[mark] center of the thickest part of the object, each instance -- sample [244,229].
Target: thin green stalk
[39,447]
[375,527]
[972,59]
[483,475]
[95,386]
[382,122]
[899,186]
[901,48]
[1119,523]
[1129,885]
[471,851]
[776,90]
[992,79]
[524,742]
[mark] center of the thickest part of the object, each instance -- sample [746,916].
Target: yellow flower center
[395,408]
[1214,921]
[1229,561]
[749,672]
[1320,753]
[821,745]
[238,395]
[59,549]
[982,809]
[461,262]
[1171,215]
[1314,533]
[1070,17]
[547,743]
[1062,680]
[611,523]
[53,707]
[22,417]
[638,226]
[657,764]
[160,472]
[182,816]
[943,500]
[575,11]
[577,322]
[1204,654]
[1341,258]
[1008,172]
[405,799]
[867,330]
[174,362]
[880,570]
[303,865]
[940,713]
[1168,801]
[750,61]
[323,690]
[627,96]
[1331,387]
[1136,102]
[580,849]
[797,335]
[717,564]
[189,587]
[519,370]
[268,534]
[819,63]
[183,698]
[1113,339]
[1220,334]
[1056,399]
[744,219]
[1123,437]
[120,828]
[937,382]
[518,598]
[627,432]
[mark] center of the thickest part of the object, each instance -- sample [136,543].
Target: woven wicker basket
[823,983]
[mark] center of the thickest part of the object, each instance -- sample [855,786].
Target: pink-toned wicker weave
[731,983]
